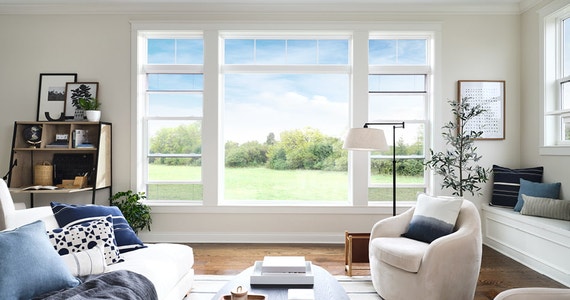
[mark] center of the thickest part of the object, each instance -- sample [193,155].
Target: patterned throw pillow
[506,183]
[546,207]
[433,218]
[85,236]
[69,214]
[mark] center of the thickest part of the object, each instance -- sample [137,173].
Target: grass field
[267,184]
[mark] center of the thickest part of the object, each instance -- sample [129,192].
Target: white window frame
[551,142]
[212,143]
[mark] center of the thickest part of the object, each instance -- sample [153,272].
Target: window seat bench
[541,244]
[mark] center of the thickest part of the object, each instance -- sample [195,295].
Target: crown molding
[249,7]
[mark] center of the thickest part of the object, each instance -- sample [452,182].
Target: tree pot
[93,115]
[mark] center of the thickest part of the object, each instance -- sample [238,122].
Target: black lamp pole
[394,126]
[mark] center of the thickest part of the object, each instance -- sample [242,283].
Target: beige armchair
[447,268]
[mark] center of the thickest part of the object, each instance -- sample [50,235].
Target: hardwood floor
[498,272]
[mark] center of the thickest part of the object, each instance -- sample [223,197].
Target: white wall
[97,47]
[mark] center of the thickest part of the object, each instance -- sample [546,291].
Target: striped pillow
[506,183]
[546,207]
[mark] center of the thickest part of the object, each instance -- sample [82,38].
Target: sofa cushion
[433,218]
[125,236]
[86,262]
[537,189]
[30,266]
[401,253]
[164,264]
[506,183]
[546,207]
[85,236]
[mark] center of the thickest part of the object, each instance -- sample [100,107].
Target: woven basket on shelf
[43,174]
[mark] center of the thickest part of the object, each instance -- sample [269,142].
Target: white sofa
[168,266]
[534,294]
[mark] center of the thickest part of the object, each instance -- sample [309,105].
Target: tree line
[297,149]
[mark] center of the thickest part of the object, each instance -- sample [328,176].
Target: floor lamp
[371,139]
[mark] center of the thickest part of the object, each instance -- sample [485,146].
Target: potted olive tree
[135,212]
[458,163]
[91,107]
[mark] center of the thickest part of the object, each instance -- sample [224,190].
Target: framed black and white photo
[490,94]
[51,95]
[75,91]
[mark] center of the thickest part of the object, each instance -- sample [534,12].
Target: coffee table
[325,286]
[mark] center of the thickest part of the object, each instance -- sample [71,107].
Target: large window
[398,91]
[556,85]
[285,112]
[228,117]
[173,101]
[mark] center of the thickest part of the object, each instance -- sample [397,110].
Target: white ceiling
[181,6]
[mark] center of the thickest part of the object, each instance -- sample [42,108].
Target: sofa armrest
[21,217]
[393,226]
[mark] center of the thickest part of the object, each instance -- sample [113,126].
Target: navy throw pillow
[69,215]
[506,183]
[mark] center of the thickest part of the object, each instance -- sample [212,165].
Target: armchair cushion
[402,253]
[433,218]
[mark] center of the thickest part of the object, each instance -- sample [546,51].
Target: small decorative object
[51,96]
[33,135]
[457,164]
[91,108]
[239,293]
[43,174]
[135,212]
[75,91]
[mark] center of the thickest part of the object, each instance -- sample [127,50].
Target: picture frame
[490,94]
[51,96]
[74,91]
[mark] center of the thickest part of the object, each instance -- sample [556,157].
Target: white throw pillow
[433,218]
[86,262]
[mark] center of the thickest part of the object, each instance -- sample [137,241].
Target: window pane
[174,169]
[566,46]
[174,192]
[283,52]
[295,124]
[175,104]
[175,51]
[397,52]
[301,52]
[175,82]
[402,194]
[174,137]
[396,107]
[397,83]
[565,95]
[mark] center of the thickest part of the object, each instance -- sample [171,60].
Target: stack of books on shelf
[282,270]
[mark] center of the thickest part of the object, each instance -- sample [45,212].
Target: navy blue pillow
[506,183]
[69,214]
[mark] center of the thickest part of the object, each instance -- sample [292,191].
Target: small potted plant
[91,108]
[135,212]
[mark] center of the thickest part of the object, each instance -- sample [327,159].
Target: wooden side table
[355,250]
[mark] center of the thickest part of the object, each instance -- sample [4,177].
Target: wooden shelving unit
[25,156]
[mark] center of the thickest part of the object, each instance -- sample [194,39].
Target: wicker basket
[43,174]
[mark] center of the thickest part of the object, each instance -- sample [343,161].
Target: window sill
[554,151]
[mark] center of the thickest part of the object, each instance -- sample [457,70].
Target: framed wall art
[490,94]
[75,91]
[51,95]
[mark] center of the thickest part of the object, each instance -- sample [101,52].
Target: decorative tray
[249,297]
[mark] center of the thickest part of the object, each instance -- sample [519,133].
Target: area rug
[357,287]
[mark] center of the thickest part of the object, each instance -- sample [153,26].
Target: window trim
[550,52]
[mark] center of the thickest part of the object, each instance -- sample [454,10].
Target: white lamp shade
[366,139]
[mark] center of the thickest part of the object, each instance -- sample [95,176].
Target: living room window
[258,117]
[173,113]
[398,91]
[556,83]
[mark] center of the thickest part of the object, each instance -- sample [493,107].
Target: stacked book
[282,270]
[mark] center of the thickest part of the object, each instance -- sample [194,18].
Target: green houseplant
[91,107]
[458,163]
[136,212]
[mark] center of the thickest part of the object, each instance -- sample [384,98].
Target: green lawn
[267,184]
